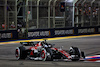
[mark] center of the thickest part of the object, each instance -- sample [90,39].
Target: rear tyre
[49,54]
[20,53]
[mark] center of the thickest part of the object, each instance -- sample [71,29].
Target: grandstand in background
[46,14]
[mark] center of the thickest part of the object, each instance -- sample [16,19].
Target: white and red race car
[45,51]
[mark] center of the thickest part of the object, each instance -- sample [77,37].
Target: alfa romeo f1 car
[45,51]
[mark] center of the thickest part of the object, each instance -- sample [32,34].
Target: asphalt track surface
[90,45]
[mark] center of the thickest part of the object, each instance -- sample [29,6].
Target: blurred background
[46,14]
[35,14]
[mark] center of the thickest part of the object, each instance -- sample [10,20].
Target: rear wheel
[20,53]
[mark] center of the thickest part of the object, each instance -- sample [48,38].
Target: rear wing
[29,43]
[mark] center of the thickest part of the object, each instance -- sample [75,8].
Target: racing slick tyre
[82,54]
[43,54]
[49,54]
[75,53]
[20,53]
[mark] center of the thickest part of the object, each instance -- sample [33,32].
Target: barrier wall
[58,32]
[49,33]
[8,35]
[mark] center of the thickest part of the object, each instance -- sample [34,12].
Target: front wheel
[43,54]
[75,53]
[83,55]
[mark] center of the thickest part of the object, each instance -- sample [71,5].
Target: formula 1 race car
[45,51]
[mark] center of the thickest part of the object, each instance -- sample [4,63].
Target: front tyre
[75,53]
[83,55]
[43,54]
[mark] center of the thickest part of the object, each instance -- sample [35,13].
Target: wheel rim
[43,54]
[17,53]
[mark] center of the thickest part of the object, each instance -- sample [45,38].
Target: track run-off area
[90,44]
